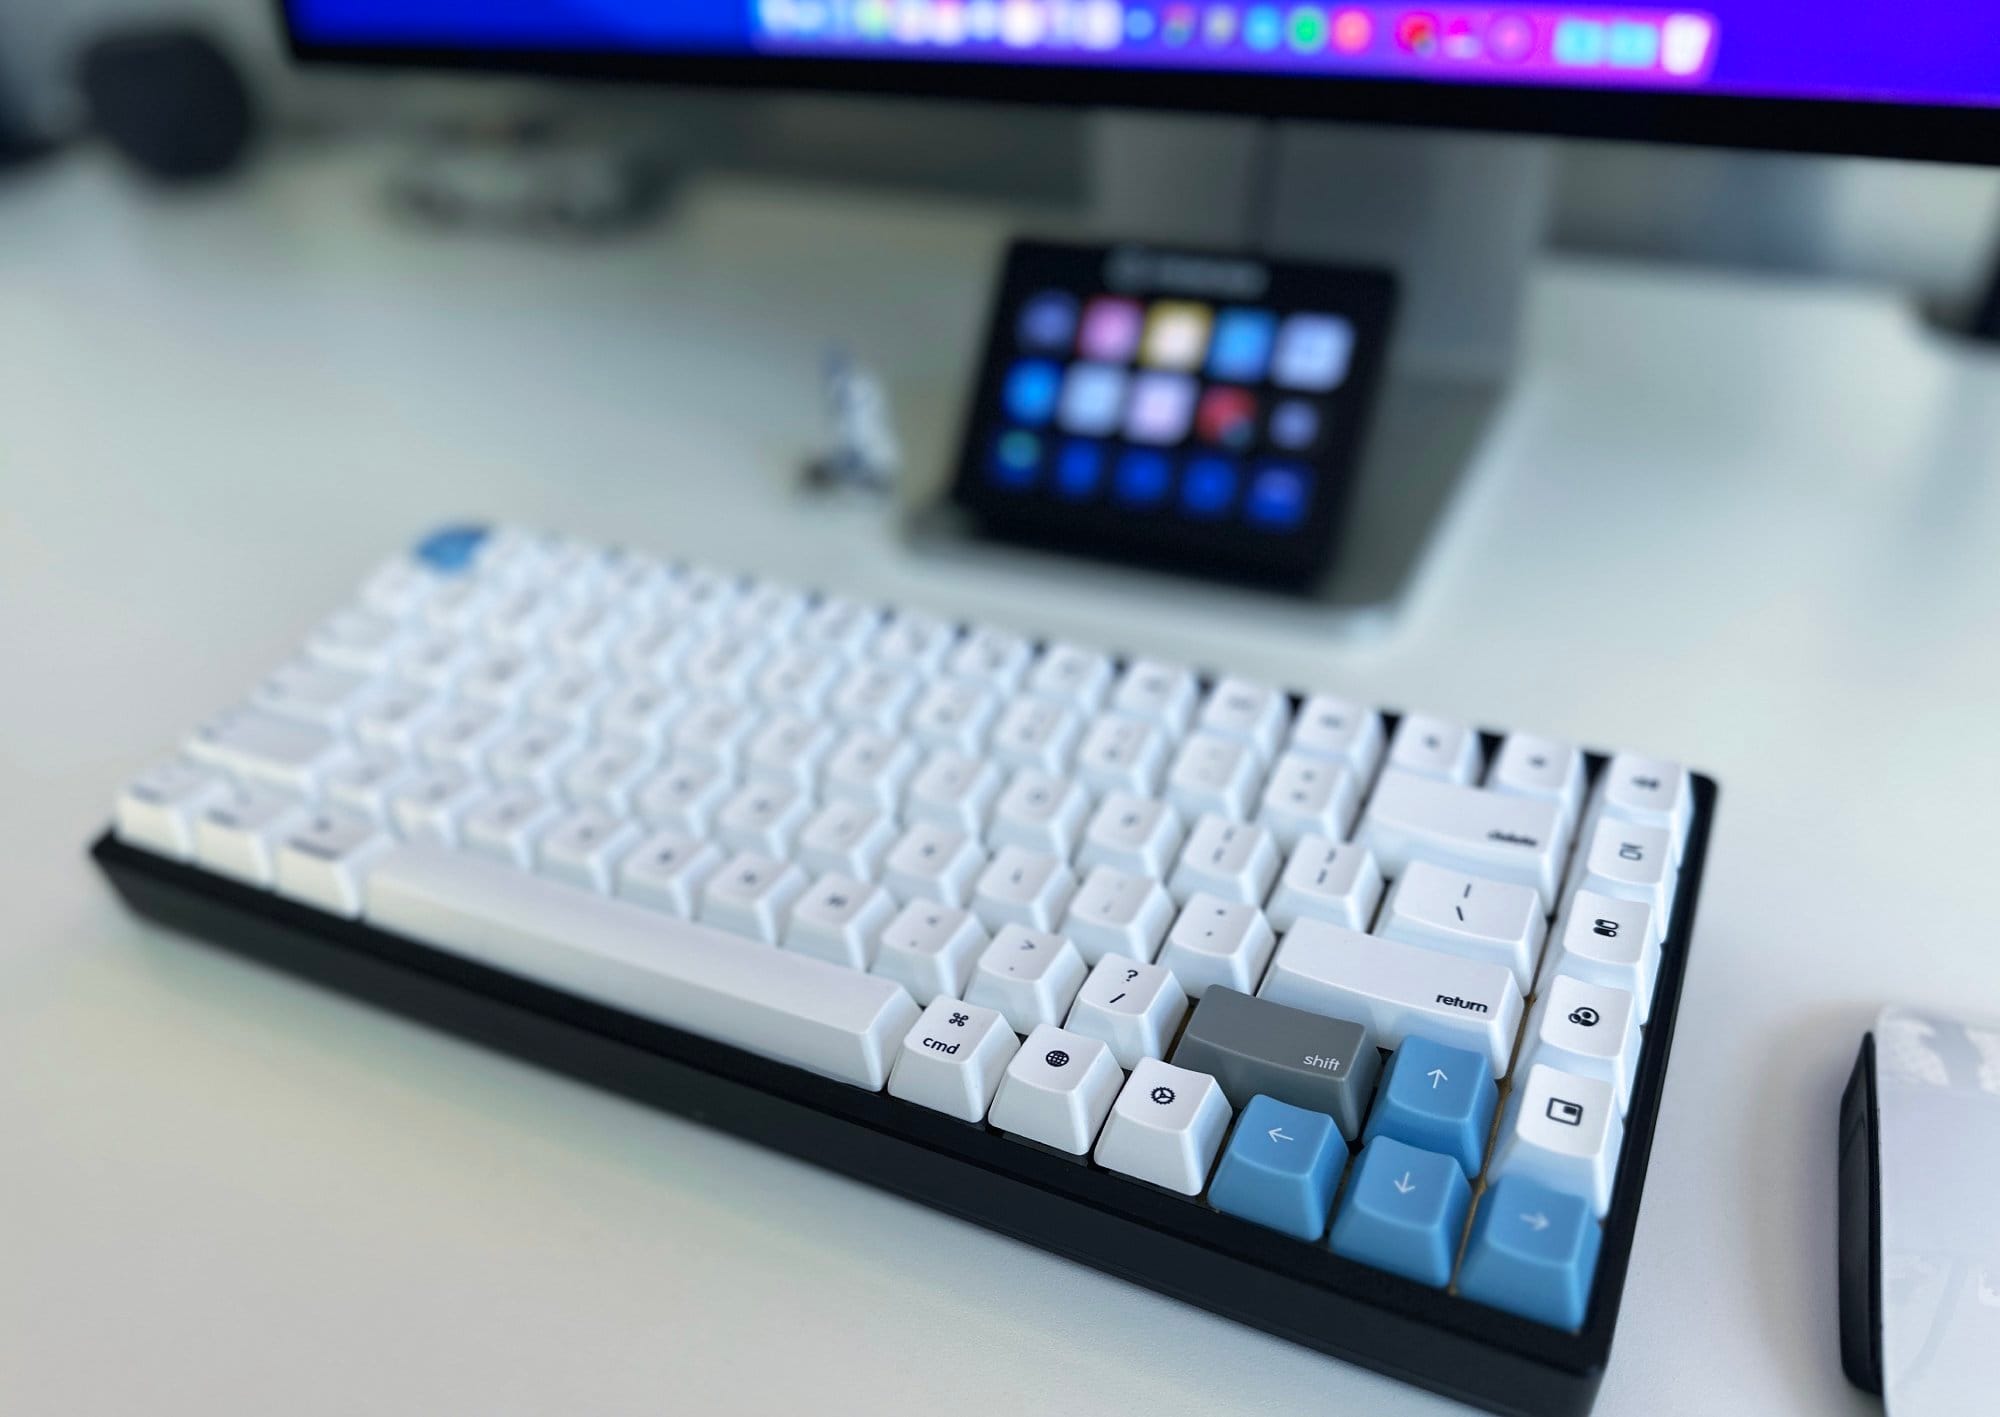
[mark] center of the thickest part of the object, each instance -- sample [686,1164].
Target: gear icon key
[1163,1095]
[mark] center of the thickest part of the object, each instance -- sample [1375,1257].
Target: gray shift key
[1252,1045]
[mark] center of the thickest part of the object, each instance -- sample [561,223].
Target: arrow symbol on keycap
[1536,1222]
[1280,1134]
[1404,1185]
[1437,1075]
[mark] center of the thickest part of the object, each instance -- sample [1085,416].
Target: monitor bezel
[1854,127]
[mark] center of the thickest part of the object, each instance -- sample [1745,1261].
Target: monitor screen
[1938,55]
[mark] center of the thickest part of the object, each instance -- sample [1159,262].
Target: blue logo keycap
[1404,1212]
[451,549]
[1280,1168]
[1533,1252]
[1438,1098]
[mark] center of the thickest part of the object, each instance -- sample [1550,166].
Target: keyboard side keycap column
[787,1007]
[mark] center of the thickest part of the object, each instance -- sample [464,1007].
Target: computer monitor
[1920,78]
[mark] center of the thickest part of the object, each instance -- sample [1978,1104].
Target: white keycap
[952,1060]
[1247,712]
[684,796]
[534,754]
[1058,1090]
[1029,977]
[651,651]
[875,696]
[933,861]
[1410,817]
[870,769]
[258,746]
[457,604]
[1133,1006]
[1605,940]
[1650,793]
[609,775]
[463,735]
[1165,1128]
[158,808]
[360,640]
[915,642]
[1435,747]
[929,949]
[643,712]
[712,732]
[848,837]
[393,717]
[998,659]
[500,677]
[1324,880]
[434,659]
[1563,1131]
[1036,733]
[1073,676]
[1627,860]
[1164,695]
[1469,916]
[724,664]
[1339,731]
[1527,766]
[764,817]
[324,860]
[1120,754]
[366,782]
[519,617]
[587,633]
[1138,835]
[1218,941]
[668,870]
[955,714]
[399,587]
[1022,887]
[1114,912]
[1309,797]
[782,1006]
[1586,1029]
[953,790]
[313,692]
[801,679]
[1212,774]
[767,610]
[838,920]
[1234,860]
[703,597]
[237,834]
[1039,812]
[570,693]
[428,804]
[584,848]
[790,748]
[750,895]
[507,824]
[1398,990]
[844,627]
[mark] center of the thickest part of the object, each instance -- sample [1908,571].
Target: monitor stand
[1458,217]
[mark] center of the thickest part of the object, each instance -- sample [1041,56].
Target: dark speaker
[171,100]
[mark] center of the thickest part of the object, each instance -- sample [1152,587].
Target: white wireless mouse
[1920,1215]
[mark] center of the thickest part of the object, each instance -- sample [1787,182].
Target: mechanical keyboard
[1345,1024]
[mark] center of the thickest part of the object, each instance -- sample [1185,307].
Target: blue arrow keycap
[1439,1098]
[1533,1252]
[1404,1211]
[1280,1168]
[451,549]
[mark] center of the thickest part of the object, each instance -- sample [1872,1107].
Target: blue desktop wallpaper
[1941,51]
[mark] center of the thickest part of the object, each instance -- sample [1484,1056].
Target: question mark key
[1133,1007]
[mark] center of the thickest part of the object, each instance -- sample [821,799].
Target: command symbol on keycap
[1056,1058]
[1163,1095]
[1570,1114]
[959,1020]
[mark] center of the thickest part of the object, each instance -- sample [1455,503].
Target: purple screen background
[1921,51]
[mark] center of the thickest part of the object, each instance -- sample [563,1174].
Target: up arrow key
[1437,1075]
[1280,1134]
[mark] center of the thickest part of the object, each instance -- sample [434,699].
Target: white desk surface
[1750,524]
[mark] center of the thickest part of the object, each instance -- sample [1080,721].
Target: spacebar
[784,1006]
